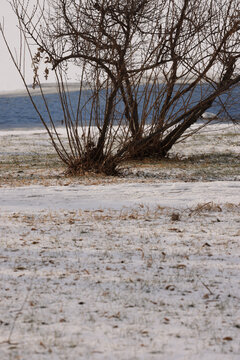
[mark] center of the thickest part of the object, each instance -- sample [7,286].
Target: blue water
[18,112]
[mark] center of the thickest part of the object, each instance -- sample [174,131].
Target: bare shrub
[143,62]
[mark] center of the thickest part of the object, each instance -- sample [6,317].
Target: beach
[140,266]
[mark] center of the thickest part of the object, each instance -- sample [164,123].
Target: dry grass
[203,167]
[28,158]
[47,170]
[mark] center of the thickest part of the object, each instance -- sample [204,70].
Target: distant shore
[50,88]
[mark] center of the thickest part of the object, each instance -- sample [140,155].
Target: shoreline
[52,88]
[46,88]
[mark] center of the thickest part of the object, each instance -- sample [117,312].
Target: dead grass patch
[213,207]
[206,207]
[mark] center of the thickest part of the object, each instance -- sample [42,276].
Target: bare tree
[145,61]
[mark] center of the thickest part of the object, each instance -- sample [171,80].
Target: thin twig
[8,341]
[210,292]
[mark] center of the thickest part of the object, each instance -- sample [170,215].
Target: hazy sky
[9,77]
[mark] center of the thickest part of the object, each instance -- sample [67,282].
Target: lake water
[18,112]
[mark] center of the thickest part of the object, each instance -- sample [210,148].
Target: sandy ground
[141,267]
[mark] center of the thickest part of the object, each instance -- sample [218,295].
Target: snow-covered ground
[177,195]
[124,269]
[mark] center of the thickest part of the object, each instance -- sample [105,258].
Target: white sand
[120,271]
[47,88]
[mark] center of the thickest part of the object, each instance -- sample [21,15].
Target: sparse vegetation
[137,272]
[204,157]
